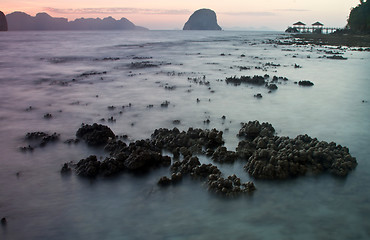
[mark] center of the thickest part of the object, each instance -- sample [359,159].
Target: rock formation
[3,22]
[19,21]
[202,19]
[267,156]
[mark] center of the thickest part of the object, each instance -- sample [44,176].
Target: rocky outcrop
[39,139]
[187,143]
[3,22]
[267,156]
[19,21]
[202,19]
[273,157]
[305,83]
[95,134]
[252,129]
[230,186]
[139,156]
[255,80]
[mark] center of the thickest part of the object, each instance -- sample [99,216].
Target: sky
[172,14]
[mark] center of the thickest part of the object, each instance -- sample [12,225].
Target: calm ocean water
[75,76]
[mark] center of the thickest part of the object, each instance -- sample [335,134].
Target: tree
[359,18]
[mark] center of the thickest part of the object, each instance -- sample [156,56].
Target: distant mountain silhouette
[3,22]
[202,19]
[20,21]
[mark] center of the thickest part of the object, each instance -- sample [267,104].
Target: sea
[53,81]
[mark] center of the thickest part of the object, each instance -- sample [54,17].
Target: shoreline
[350,40]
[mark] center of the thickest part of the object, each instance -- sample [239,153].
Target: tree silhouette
[359,18]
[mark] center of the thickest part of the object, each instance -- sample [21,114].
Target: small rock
[176,122]
[258,95]
[305,83]
[65,169]
[4,221]
[48,116]
[164,181]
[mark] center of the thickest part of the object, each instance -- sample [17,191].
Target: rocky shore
[350,40]
[267,156]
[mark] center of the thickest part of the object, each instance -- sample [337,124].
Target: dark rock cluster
[95,134]
[273,157]
[222,155]
[263,81]
[336,57]
[4,221]
[267,156]
[139,156]
[255,80]
[252,129]
[39,139]
[229,186]
[187,143]
[143,64]
[143,155]
[305,83]
[193,167]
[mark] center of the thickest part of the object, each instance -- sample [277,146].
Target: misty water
[76,76]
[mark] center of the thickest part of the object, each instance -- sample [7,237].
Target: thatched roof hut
[317,24]
[299,24]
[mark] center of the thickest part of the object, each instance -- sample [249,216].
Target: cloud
[248,13]
[117,11]
[292,10]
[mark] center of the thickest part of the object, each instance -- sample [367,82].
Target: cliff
[19,21]
[3,22]
[202,19]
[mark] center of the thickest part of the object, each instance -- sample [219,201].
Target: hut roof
[317,24]
[299,24]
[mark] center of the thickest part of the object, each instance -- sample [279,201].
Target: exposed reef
[39,139]
[256,80]
[273,157]
[95,134]
[202,19]
[334,39]
[267,156]
[305,83]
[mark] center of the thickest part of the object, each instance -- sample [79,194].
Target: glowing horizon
[168,15]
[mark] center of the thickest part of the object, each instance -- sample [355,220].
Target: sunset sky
[168,15]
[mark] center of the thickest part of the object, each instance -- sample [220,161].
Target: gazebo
[299,26]
[317,25]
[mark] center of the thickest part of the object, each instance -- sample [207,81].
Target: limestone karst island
[202,19]
[3,22]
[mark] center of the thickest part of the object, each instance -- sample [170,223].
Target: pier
[317,27]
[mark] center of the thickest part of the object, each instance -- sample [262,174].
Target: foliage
[359,18]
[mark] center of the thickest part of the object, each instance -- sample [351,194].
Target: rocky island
[202,19]
[3,22]
[20,21]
